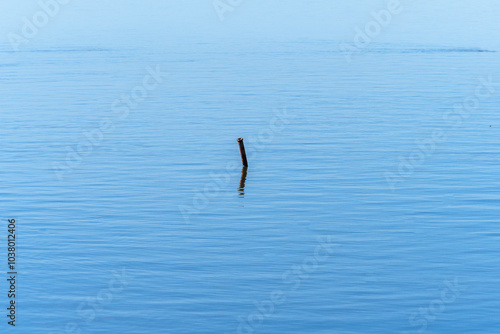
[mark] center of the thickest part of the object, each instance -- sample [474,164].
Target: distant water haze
[151,23]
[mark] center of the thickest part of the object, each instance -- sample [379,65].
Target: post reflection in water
[241,189]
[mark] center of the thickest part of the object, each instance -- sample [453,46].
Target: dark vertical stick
[242,151]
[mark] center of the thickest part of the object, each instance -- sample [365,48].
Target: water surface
[323,134]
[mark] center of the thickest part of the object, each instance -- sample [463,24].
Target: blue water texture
[370,205]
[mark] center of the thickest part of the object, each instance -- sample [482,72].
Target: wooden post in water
[242,151]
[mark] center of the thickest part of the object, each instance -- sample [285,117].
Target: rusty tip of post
[239,139]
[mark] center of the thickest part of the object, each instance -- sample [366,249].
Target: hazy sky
[451,22]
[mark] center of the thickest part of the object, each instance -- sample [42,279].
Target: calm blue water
[147,230]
